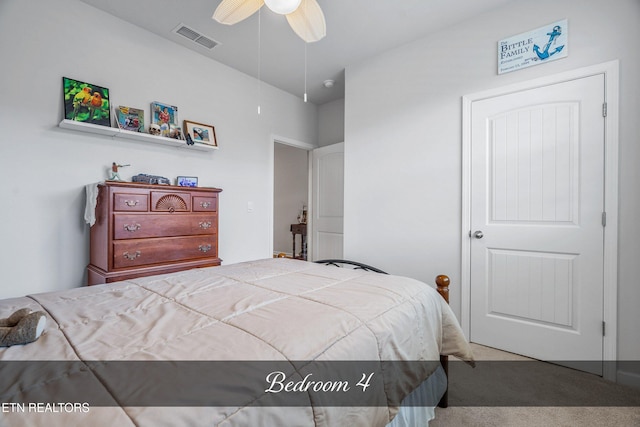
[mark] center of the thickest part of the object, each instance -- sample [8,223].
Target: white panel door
[327,207]
[537,184]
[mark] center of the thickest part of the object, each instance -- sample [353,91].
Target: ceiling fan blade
[308,21]
[231,11]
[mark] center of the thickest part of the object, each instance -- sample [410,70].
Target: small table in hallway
[300,229]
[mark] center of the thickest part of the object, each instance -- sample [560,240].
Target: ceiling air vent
[195,36]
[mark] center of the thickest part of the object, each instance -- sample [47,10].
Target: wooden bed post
[442,283]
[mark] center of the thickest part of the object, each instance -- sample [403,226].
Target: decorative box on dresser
[146,229]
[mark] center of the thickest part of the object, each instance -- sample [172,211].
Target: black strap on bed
[358,265]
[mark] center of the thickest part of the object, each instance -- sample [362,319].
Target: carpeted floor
[504,391]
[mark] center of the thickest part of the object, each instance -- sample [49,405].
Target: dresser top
[124,184]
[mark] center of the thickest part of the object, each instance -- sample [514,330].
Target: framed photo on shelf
[187,181]
[129,118]
[200,133]
[175,132]
[165,116]
[86,102]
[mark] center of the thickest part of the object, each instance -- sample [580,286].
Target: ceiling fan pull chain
[305,70]
[305,59]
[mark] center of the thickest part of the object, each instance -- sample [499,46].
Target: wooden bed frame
[442,286]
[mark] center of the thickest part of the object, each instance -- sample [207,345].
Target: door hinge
[604,109]
[603,328]
[604,219]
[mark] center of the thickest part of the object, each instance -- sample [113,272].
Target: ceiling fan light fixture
[282,7]
[304,16]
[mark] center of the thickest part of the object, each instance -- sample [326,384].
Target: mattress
[196,348]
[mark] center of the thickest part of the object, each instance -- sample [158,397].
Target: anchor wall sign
[534,47]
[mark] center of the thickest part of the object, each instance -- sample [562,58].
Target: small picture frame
[86,102]
[187,181]
[130,118]
[200,133]
[165,116]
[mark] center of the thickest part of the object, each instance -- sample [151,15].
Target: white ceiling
[356,30]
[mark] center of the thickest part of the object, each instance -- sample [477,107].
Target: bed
[267,342]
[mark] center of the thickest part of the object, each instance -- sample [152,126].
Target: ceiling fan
[304,16]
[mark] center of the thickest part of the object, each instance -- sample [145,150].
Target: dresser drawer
[134,253]
[130,202]
[163,225]
[205,204]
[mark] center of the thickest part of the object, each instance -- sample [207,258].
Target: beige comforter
[270,310]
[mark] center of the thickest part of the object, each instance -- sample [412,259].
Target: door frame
[273,140]
[610,292]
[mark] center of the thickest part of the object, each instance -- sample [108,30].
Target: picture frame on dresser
[200,133]
[187,181]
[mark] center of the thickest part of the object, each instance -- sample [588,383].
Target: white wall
[403,139]
[44,240]
[291,193]
[331,123]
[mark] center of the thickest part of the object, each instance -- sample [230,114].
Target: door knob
[478,234]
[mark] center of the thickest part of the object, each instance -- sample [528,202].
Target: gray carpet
[536,417]
[510,390]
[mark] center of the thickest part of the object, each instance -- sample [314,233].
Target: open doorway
[290,199]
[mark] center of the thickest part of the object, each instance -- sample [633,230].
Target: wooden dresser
[144,229]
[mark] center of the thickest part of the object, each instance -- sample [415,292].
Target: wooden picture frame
[200,133]
[86,102]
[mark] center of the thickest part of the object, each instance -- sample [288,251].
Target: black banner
[304,383]
[207,383]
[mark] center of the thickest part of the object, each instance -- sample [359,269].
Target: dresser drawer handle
[133,227]
[204,248]
[205,224]
[205,205]
[132,256]
[131,203]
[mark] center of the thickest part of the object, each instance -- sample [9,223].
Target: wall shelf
[135,136]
